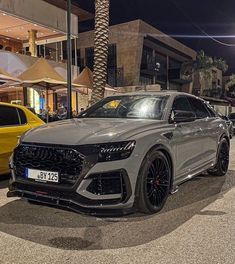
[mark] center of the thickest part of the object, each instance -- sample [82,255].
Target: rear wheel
[221,167]
[154,182]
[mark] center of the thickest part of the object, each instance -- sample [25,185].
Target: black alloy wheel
[224,157]
[222,164]
[155,182]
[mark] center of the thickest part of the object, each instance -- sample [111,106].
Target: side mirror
[183,116]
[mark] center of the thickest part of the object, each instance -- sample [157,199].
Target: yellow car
[14,121]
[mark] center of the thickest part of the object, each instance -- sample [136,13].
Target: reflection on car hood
[89,131]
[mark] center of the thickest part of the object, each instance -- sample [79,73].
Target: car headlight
[115,151]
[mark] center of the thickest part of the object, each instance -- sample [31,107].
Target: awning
[85,79]
[7,77]
[42,74]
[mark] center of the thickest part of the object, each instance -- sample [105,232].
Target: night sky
[192,22]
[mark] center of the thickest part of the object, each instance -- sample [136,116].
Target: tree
[204,63]
[220,64]
[101,40]
[229,88]
[202,67]
[231,81]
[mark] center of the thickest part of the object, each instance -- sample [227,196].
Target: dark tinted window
[181,103]
[210,110]
[232,116]
[199,107]
[22,115]
[8,116]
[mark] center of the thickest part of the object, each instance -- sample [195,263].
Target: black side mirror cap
[183,116]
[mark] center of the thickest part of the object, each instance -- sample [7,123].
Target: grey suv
[125,153]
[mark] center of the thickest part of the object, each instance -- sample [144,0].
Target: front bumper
[63,200]
[98,188]
[97,194]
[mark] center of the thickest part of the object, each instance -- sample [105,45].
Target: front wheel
[222,164]
[154,182]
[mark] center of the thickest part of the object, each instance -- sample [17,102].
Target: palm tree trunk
[101,41]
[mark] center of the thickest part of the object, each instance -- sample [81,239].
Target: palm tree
[101,41]
[229,88]
[203,66]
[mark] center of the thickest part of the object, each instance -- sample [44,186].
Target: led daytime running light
[117,147]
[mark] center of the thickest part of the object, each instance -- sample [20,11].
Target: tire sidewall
[219,164]
[143,202]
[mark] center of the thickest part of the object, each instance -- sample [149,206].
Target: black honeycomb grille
[67,161]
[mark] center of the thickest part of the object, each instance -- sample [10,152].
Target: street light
[69,61]
[156,69]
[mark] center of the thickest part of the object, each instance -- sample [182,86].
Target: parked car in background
[125,153]
[14,121]
[232,118]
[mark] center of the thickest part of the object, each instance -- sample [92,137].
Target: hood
[88,131]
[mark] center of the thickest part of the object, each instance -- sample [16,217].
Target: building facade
[30,29]
[209,83]
[141,55]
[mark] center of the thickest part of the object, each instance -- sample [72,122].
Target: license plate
[42,176]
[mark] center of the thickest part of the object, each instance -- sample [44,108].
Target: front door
[186,141]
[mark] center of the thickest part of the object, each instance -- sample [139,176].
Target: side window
[210,110]
[199,108]
[181,103]
[23,119]
[232,116]
[8,116]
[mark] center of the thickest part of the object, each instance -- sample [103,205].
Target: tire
[154,182]
[222,164]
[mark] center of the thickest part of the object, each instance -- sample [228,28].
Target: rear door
[13,123]
[209,124]
[187,141]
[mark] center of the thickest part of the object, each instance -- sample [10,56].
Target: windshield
[139,106]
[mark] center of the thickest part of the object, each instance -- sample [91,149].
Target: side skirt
[191,175]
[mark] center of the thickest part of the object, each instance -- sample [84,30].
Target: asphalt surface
[197,225]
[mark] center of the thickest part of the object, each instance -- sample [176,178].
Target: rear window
[8,116]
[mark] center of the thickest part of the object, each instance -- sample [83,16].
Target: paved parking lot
[197,225]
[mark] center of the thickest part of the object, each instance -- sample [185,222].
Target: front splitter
[69,204]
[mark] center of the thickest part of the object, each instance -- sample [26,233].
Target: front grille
[67,161]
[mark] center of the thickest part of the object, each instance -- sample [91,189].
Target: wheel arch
[224,136]
[166,152]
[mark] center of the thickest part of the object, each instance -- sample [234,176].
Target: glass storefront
[33,99]
[57,51]
[12,95]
